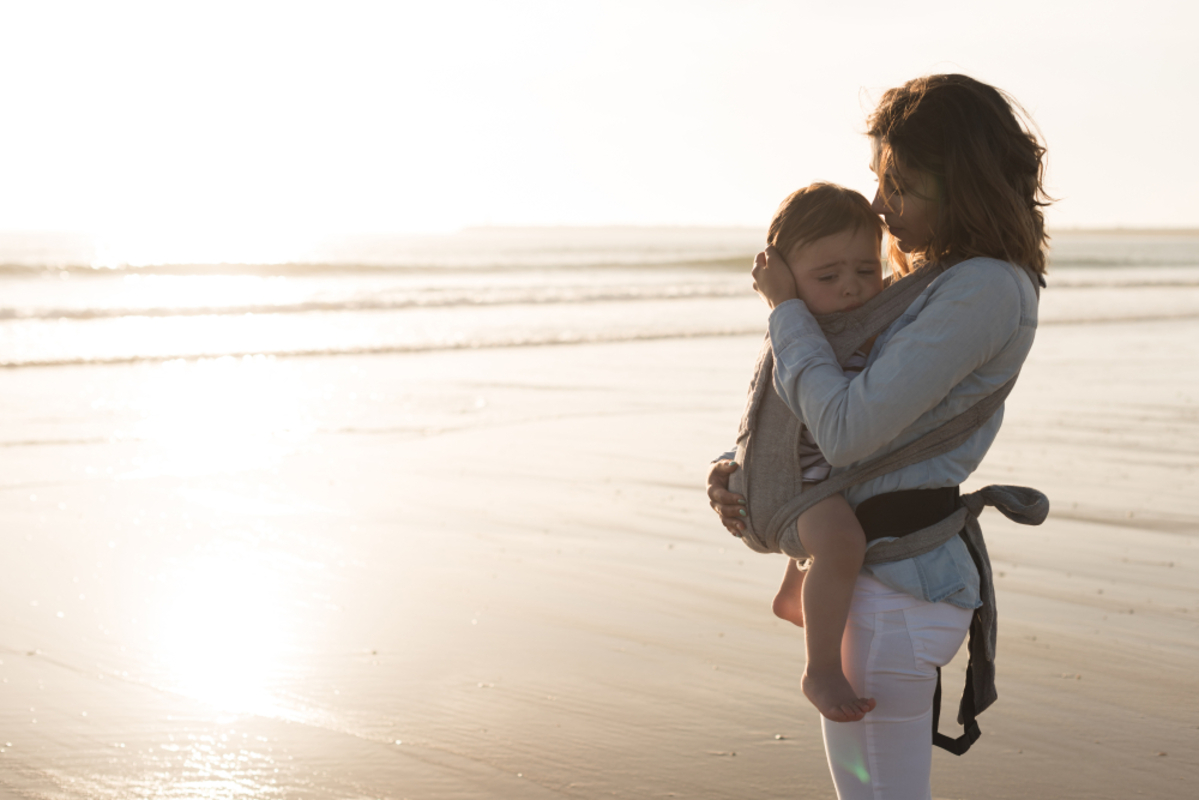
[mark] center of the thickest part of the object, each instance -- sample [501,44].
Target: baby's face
[838,272]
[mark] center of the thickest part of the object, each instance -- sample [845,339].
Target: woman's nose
[878,206]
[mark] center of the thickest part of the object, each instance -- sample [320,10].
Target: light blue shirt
[963,338]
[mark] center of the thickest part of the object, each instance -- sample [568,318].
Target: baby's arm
[970,319]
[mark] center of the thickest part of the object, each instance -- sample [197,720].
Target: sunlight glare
[221,415]
[222,636]
[218,244]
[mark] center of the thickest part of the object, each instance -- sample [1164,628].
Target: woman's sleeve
[973,311]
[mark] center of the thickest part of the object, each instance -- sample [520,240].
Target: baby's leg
[832,536]
[788,603]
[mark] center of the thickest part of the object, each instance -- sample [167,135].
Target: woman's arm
[972,312]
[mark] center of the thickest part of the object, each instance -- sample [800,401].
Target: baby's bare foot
[833,697]
[789,607]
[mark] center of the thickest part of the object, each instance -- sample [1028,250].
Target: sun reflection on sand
[225,621]
[223,635]
[221,415]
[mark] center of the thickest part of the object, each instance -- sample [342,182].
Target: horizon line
[1136,229]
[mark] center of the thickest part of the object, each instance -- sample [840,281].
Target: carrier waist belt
[895,514]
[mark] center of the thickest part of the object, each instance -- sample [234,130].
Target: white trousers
[892,656]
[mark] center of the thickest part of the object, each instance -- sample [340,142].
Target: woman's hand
[772,278]
[730,506]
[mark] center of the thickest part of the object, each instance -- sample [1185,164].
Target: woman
[960,183]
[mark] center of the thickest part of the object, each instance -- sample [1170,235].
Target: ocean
[63,300]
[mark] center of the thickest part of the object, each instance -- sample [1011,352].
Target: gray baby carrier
[770,479]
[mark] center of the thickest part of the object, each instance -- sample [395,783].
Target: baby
[831,240]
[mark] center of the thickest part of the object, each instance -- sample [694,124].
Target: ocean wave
[581,260]
[1123,261]
[1057,282]
[436,298]
[534,340]
[552,264]
[499,340]
[444,297]
[449,265]
[1118,319]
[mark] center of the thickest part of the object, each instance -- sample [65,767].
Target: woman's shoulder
[993,273]
[993,281]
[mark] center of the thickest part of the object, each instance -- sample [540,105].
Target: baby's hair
[988,165]
[819,210]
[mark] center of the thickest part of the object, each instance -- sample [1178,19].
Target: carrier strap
[948,436]
[1019,504]
[962,743]
[898,513]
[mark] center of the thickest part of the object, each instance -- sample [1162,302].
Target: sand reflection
[224,615]
[221,415]
[223,633]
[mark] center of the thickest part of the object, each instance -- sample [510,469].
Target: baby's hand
[772,278]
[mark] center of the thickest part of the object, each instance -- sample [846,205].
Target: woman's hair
[820,210]
[986,162]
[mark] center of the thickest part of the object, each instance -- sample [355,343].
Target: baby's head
[832,241]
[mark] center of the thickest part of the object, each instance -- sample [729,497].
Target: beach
[484,568]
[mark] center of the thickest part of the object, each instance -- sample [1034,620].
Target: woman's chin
[906,244]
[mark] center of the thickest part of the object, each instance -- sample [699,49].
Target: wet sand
[492,574]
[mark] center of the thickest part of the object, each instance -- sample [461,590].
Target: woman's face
[907,200]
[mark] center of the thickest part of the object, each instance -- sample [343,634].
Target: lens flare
[855,764]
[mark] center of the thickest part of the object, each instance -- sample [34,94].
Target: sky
[253,123]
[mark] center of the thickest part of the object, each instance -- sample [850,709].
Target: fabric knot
[1018,503]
